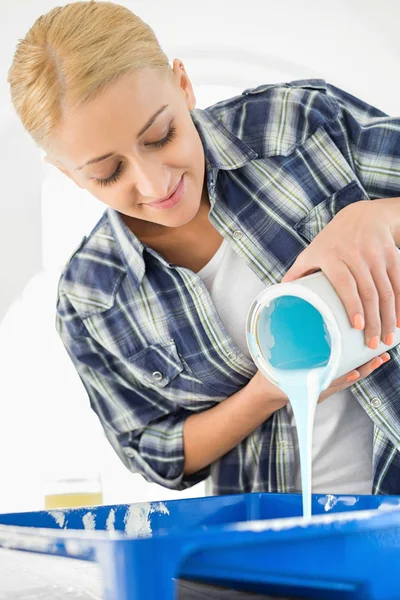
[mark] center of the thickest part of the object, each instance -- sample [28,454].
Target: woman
[206,208]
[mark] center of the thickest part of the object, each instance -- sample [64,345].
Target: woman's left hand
[358,253]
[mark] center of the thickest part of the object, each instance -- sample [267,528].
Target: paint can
[302,325]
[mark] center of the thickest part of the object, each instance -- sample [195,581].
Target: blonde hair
[72,53]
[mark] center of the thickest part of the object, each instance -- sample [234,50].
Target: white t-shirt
[343,433]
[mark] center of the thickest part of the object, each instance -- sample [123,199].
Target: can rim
[264,298]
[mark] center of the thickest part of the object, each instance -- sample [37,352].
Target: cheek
[190,148]
[111,196]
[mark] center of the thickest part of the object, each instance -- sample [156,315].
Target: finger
[342,381]
[294,271]
[370,301]
[393,271]
[387,306]
[300,268]
[363,370]
[346,381]
[339,385]
[345,286]
[373,364]
[353,376]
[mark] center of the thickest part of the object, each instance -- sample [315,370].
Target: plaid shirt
[144,335]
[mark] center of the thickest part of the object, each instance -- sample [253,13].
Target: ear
[61,168]
[184,83]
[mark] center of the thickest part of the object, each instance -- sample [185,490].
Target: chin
[182,217]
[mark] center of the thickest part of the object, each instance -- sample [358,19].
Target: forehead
[115,116]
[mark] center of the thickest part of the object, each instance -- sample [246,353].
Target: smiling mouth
[163,199]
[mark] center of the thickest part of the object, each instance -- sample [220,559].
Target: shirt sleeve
[144,428]
[370,140]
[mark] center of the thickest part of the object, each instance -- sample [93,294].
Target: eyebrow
[141,132]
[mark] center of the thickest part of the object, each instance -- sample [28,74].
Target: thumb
[293,273]
[297,270]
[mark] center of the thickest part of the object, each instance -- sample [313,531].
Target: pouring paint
[300,338]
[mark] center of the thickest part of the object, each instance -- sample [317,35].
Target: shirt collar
[222,150]
[130,248]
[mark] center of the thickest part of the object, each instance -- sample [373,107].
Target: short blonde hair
[72,53]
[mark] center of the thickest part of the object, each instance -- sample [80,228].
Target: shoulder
[273,119]
[93,273]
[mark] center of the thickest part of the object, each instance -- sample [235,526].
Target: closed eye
[158,144]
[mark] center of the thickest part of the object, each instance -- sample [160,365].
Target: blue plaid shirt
[144,335]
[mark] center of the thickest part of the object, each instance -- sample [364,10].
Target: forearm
[214,432]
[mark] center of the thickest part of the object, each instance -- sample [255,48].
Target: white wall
[46,425]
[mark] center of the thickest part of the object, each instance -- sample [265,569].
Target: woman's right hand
[349,379]
[277,398]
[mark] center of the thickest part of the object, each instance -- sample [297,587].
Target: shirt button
[376,402]
[238,234]
[231,355]
[157,375]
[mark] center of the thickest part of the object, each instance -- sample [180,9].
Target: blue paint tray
[258,542]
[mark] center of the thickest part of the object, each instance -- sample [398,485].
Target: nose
[150,179]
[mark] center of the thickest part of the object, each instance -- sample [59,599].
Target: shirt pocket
[156,365]
[314,222]
[161,367]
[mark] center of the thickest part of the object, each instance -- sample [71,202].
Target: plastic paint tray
[258,542]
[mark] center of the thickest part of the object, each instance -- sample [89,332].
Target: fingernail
[385,358]
[398,322]
[353,377]
[359,321]
[376,363]
[373,343]
[389,339]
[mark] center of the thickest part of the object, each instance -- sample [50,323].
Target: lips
[169,196]
[166,197]
[172,200]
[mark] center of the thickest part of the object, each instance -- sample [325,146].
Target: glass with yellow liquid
[72,493]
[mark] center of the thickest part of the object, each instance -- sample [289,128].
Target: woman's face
[134,144]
